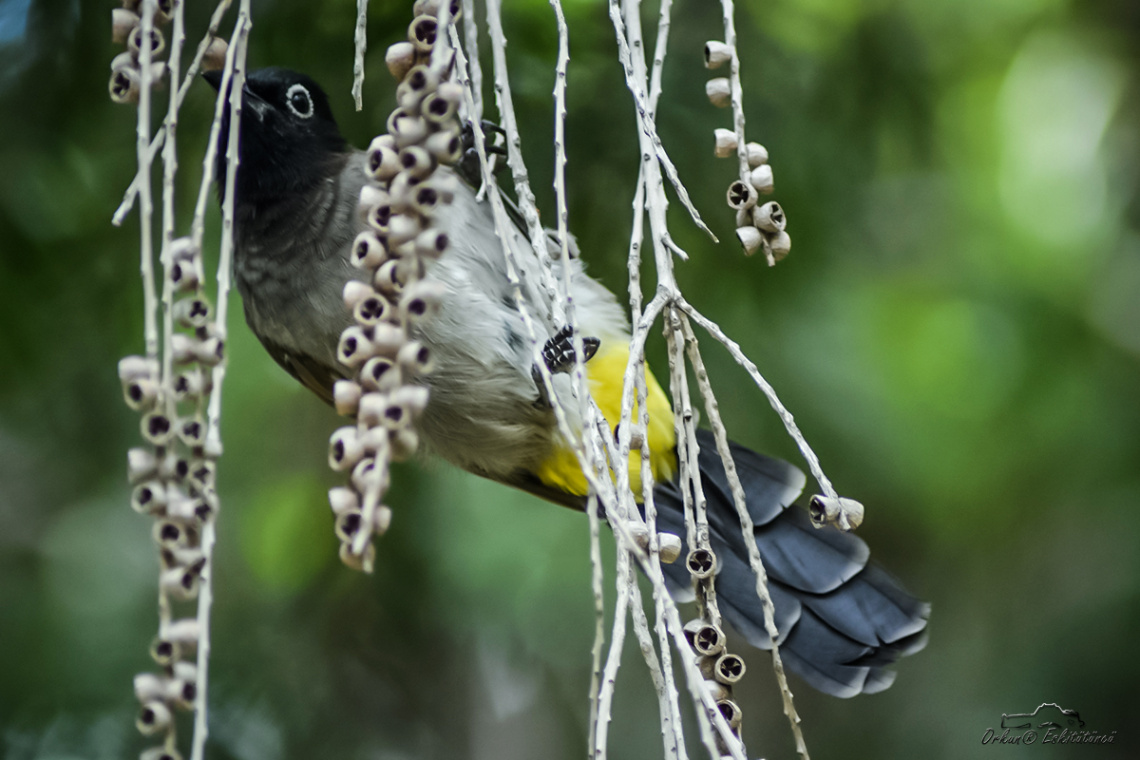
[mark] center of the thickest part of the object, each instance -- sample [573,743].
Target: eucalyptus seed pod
[387,339]
[157,428]
[438,108]
[769,217]
[705,638]
[124,84]
[346,396]
[135,42]
[402,228]
[362,562]
[416,161]
[431,244]
[345,450]
[415,358]
[729,668]
[716,54]
[123,22]
[404,443]
[214,59]
[407,128]
[731,712]
[445,145]
[354,347]
[383,161]
[141,464]
[750,239]
[343,499]
[701,563]
[741,195]
[149,687]
[724,142]
[780,245]
[371,310]
[421,300]
[757,154]
[719,92]
[380,373]
[141,393]
[761,179]
[153,718]
[160,753]
[181,583]
[149,497]
[422,33]
[184,633]
[192,383]
[192,312]
[368,251]
[845,514]
[400,58]
[348,524]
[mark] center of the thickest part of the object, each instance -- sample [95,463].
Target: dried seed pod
[124,84]
[192,431]
[141,393]
[717,54]
[432,8]
[343,499]
[383,161]
[149,687]
[422,33]
[193,383]
[179,582]
[364,473]
[716,689]
[729,668]
[400,59]
[172,534]
[371,310]
[190,558]
[701,563]
[141,464]
[372,406]
[346,397]
[415,358]
[368,251]
[362,562]
[420,301]
[137,367]
[203,473]
[387,339]
[719,92]
[731,712]
[428,196]
[345,449]
[416,161]
[761,179]
[157,42]
[390,278]
[184,633]
[160,753]
[380,374]
[404,443]
[705,638]
[757,154]
[192,312]
[668,547]
[724,142]
[348,524]
[780,245]
[163,11]
[370,194]
[437,108]
[407,129]
[181,692]
[149,498]
[354,347]
[157,428]
[356,291]
[165,651]
[769,217]
[185,274]
[382,520]
[446,146]
[214,59]
[402,228]
[154,717]
[431,243]
[419,82]
[750,239]
[400,190]
[845,514]
[741,195]
[123,23]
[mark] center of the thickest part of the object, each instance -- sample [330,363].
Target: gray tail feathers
[840,620]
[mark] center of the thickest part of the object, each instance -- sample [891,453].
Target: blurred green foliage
[957,331]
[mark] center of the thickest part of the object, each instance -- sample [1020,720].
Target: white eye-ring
[299,102]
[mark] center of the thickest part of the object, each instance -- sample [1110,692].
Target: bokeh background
[957,331]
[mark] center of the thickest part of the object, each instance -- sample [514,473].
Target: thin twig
[361,46]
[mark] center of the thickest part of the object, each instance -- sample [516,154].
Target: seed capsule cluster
[399,206]
[759,226]
[126,29]
[173,479]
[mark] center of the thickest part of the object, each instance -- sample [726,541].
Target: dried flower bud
[701,563]
[343,499]
[761,179]
[387,339]
[779,244]
[422,32]
[402,228]
[123,23]
[845,514]
[725,142]
[716,54]
[141,464]
[400,59]
[741,195]
[346,397]
[382,520]
[183,632]
[719,92]
[345,449]
[214,59]
[750,239]
[757,154]
[154,717]
[137,367]
[769,217]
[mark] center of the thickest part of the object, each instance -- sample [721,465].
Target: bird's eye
[299,101]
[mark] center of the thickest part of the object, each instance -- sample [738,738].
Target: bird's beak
[250,99]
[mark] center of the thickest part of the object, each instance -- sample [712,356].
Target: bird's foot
[558,355]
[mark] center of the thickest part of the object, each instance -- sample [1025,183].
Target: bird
[841,620]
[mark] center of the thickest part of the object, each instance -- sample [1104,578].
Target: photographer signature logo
[1048,724]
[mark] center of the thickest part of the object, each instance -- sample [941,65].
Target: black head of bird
[289,138]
